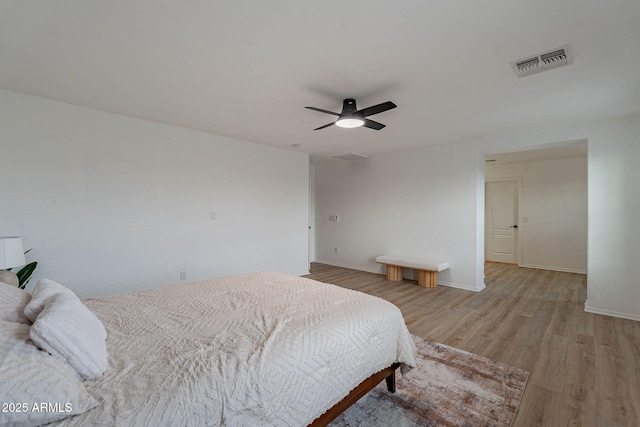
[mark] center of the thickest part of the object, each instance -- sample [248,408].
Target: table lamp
[11,255]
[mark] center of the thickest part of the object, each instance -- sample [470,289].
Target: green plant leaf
[24,275]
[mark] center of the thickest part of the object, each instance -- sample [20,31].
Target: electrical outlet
[335,250]
[212,215]
[183,275]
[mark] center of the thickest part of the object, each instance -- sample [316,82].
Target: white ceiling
[246,69]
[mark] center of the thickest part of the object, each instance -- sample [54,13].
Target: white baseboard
[351,267]
[611,313]
[546,267]
[381,272]
[463,287]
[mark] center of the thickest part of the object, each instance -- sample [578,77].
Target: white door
[501,221]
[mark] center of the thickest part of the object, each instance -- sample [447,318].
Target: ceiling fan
[351,117]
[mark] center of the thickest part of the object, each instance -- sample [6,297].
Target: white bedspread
[251,350]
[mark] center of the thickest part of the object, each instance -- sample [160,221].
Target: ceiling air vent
[542,62]
[351,156]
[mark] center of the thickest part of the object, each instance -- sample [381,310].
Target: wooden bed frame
[389,374]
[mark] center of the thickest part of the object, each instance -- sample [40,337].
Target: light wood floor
[585,368]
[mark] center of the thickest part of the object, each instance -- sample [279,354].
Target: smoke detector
[543,61]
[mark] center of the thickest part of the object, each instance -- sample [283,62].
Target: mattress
[250,350]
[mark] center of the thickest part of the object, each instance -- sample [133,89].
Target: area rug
[448,387]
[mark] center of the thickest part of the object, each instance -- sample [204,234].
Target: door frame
[518,179]
[311,232]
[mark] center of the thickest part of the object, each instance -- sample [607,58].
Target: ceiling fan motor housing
[349,106]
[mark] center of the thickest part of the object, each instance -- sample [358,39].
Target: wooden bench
[427,268]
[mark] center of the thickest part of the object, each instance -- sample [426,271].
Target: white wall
[113,204]
[553,203]
[614,209]
[430,202]
[401,203]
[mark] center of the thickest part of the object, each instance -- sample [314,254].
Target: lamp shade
[11,252]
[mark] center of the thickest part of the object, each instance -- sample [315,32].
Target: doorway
[548,206]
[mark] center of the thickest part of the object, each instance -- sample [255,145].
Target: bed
[255,349]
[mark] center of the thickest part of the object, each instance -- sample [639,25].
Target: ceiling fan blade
[370,111]
[372,125]
[325,126]
[323,111]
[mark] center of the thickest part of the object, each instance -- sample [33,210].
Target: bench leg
[394,273]
[428,279]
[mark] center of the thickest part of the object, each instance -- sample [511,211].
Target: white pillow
[30,378]
[43,290]
[71,332]
[12,303]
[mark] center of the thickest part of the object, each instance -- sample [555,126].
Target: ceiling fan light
[349,122]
